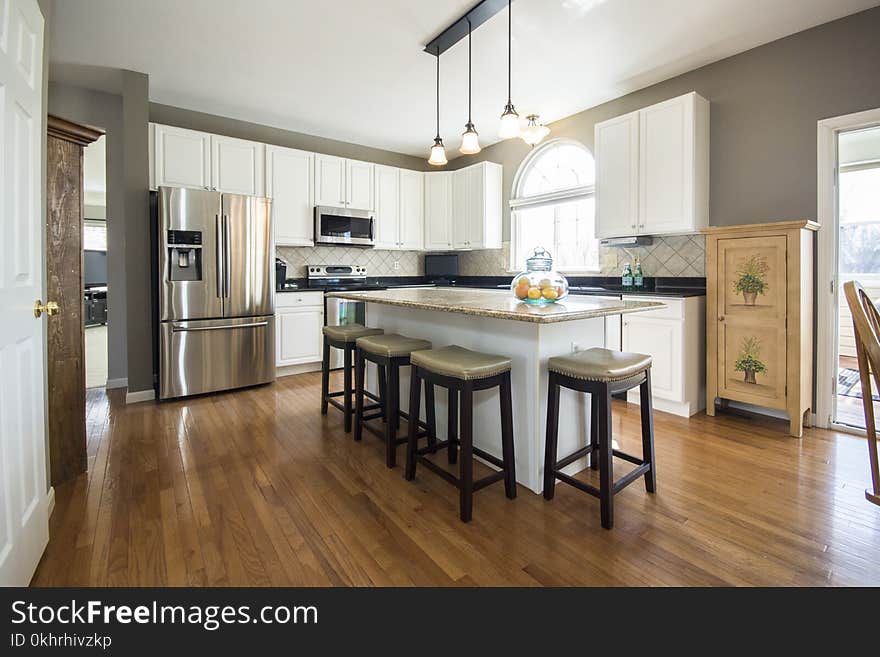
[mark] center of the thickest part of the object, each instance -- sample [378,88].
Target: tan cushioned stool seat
[599,364]
[350,332]
[461,363]
[391,345]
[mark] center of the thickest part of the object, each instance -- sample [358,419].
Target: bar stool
[342,337]
[462,372]
[602,373]
[389,352]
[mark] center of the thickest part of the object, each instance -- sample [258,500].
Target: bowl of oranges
[539,284]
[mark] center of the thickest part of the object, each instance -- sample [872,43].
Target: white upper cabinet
[476,206]
[461,208]
[617,175]
[329,180]
[237,166]
[359,185]
[387,215]
[290,185]
[182,158]
[412,210]
[438,211]
[652,169]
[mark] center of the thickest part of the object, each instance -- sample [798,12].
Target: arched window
[553,206]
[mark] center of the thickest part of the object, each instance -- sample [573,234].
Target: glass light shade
[509,123]
[534,132]
[470,140]
[438,153]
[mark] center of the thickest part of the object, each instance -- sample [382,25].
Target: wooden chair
[866,322]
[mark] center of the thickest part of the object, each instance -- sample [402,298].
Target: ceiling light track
[458,30]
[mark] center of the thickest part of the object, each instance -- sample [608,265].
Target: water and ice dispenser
[185,255]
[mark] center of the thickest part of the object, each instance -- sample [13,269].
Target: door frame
[827,285]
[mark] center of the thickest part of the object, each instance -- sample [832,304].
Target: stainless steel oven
[343,226]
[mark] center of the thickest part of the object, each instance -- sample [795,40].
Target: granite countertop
[497,304]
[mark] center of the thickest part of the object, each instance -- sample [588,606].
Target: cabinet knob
[721,318]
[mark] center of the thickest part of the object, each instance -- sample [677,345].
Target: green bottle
[627,278]
[638,277]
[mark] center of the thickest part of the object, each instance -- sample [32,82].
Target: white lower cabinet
[675,337]
[299,322]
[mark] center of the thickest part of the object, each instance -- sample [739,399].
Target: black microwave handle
[371,229]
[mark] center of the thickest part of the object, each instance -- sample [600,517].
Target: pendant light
[438,150]
[534,131]
[470,140]
[509,119]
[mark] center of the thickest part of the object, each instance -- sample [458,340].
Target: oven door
[343,226]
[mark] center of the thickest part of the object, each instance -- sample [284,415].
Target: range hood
[635,240]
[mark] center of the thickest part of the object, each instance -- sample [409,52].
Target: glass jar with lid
[539,284]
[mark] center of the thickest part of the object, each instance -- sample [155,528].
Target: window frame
[518,203]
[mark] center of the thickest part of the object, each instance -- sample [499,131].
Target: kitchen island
[494,322]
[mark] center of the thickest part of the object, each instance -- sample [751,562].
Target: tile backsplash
[679,255]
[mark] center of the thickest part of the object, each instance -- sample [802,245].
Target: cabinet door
[237,166]
[666,166]
[617,176]
[290,185]
[461,209]
[182,158]
[387,215]
[476,181]
[751,321]
[359,185]
[329,181]
[298,335]
[662,340]
[438,211]
[412,210]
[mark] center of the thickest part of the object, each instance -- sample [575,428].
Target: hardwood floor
[257,488]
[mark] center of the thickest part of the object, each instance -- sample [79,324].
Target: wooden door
[359,185]
[461,208]
[387,199]
[182,157]
[237,166]
[477,207]
[752,320]
[412,210]
[438,211]
[617,176]
[329,181]
[24,514]
[290,185]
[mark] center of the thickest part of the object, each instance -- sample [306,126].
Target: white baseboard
[289,370]
[140,396]
[50,500]
[116,383]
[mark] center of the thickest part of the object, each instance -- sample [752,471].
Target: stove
[340,278]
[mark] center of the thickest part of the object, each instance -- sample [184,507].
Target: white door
[329,181]
[359,185]
[387,215]
[24,518]
[182,157]
[617,176]
[661,339]
[438,211]
[461,208]
[290,185]
[237,166]
[412,210]
[298,335]
[476,225]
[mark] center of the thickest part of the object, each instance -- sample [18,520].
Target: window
[859,199]
[553,206]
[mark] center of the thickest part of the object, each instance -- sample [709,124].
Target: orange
[521,291]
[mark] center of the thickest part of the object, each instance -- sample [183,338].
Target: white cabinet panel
[298,335]
[329,180]
[387,201]
[290,185]
[412,206]
[461,208]
[359,185]
[182,158]
[438,211]
[476,204]
[661,339]
[617,176]
[237,166]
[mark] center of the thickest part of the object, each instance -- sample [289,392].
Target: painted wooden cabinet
[759,317]
[329,180]
[182,158]
[359,185]
[290,185]
[387,200]
[299,321]
[438,211]
[412,210]
[237,166]
[476,207]
[617,176]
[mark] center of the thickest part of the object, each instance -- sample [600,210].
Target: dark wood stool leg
[466,474]
[507,437]
[359,378]
[392,415]
[430,415]
[452,426]
[346,388]
[383,389]
[606,467]
[325,376]
[594,431]
[551,437]
[412,442]
[648,432]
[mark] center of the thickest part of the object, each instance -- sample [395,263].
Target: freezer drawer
[209,355]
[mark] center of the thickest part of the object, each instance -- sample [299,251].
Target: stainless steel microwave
[343,226]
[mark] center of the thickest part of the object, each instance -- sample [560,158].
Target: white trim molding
[827,285]
[50,501]
[139,396]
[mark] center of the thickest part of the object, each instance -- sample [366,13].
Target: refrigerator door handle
[177,328]
[219,249]
[226,247]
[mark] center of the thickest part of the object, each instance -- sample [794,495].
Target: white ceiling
[354,69]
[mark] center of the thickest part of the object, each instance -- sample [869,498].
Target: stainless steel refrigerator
[216,291]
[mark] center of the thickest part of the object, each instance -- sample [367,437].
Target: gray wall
[765,105]
[220,125]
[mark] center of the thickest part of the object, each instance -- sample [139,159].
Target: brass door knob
[50,308]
